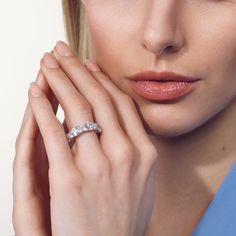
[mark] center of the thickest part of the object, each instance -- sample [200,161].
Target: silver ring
[85,127]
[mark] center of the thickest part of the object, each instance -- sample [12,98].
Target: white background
[27,30]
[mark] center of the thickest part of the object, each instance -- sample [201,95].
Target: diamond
[87,126]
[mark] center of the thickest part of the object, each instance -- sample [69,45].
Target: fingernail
[91,65]
[50,61]
[35,90]
[63,49]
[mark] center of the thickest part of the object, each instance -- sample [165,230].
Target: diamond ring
[85,127]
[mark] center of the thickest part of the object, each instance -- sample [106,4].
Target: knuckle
[124,155]
[101,94]
[100,174]
[97,170]
[149,156]
[150,152]
[126,150]
[84,107]
[124,161]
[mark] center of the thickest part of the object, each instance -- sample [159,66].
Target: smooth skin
[195,137]
[103,185]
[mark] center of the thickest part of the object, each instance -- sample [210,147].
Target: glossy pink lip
[163,86]
[161,76]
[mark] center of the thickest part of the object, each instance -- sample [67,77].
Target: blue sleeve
[220,216]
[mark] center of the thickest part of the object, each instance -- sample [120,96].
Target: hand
[102,185]
[31,200]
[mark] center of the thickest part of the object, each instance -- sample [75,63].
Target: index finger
[56,145]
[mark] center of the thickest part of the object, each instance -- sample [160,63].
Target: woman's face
[130,36]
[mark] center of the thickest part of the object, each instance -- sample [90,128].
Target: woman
[161,160]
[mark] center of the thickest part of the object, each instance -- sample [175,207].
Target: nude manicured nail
[91,65]
[35,90]
[63,49]
[50,61]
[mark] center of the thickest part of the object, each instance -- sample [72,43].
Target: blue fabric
[220,217]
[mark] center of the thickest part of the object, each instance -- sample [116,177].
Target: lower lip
[163,91]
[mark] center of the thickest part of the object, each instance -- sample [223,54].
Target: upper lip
[161,76]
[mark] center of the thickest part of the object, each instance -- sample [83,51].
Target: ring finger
[77,110]
[113,137]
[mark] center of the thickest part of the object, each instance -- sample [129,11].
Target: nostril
[169,49]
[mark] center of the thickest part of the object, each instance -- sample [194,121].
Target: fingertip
[34,90]
[91,65]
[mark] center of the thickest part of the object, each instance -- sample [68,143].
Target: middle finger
[73,102]
[76,108]
[102,104]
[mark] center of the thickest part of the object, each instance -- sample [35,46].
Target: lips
[164,86]
[161,76]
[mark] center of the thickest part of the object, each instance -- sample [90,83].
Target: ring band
[85,127]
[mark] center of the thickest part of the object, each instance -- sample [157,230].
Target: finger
[58,151]
[76,107]
[65,126]
[104,112]
[28,116]
[74,148]
[29,128]
[24,162]
[125,107]
[27,165]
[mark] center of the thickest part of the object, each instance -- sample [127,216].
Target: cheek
[220,53]
[211,56]
[212,42]
[215,57]
[112,38]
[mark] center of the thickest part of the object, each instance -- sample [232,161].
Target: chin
[167,130]
[174,124]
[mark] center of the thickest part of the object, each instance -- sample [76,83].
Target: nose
[162,32]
